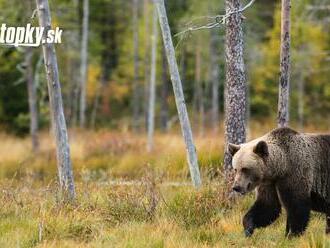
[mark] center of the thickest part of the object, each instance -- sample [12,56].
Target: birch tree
[32,95]
[146,59]
[164,94]
[84,63]
[284,82]
[178,94]
[235,88]
[136,95]
[56,106]
[152,88]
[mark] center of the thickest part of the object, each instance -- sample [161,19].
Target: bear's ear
[232,148]
[261,149]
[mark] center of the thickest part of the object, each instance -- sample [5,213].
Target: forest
[117,135]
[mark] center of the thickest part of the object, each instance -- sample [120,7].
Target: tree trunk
[152,89]
[198,92]
[215,78]
[84,64]
[146,60]
[178,93]
[235,89]
[136,90]
[32,94]
[164,94]
[56,106]
[284,84]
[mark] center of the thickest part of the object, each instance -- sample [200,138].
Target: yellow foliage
[93,81]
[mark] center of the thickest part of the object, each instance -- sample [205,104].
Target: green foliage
[111,58]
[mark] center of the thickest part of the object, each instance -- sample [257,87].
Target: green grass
[148,214]
[137,216]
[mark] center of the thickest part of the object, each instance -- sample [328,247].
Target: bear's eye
[245,170]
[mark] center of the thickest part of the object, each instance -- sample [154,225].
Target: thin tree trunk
[178,93]
[84,64]
[75,88]
[198,94]
[236,88]
[56,106]
[96,102]
[146,60]
[32,94]
[136,95]
[152,89]
[164,94]
[284,83]
[215,78]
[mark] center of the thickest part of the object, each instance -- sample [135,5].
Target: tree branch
[218,20]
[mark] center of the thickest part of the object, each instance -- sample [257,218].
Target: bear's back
[308,155]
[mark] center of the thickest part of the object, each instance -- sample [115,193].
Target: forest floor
[127,197]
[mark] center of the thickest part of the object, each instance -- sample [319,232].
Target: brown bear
[288,169]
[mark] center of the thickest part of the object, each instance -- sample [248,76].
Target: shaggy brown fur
[288,169]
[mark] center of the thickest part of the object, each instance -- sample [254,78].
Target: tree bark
[284,82]
[178,93]
[152,89]
[235,88]
[56,106]
[164,94]
[32,94]
[136,93]
[215,78]
[84,64]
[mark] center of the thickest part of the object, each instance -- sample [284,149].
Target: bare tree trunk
[73,99]
[178,93]
[215,78]
[164,94]
[152,89]
[32,94]
[96,101]
[56,106]
[284,87]
[136,90]
[146,60]
[235,89]
[84,64]
[198,94]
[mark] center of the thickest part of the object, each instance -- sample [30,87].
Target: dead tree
[84,64]
[56,106]
[164,109]
[32,95]
[178,94]
[146,59]
[284,82]
[235,88]
[152,88]
[136,90]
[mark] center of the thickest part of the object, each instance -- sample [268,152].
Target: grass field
[127,197]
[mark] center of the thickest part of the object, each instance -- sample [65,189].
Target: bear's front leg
[264,211]
[298,206]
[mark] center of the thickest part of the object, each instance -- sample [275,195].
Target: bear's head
[248,162]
